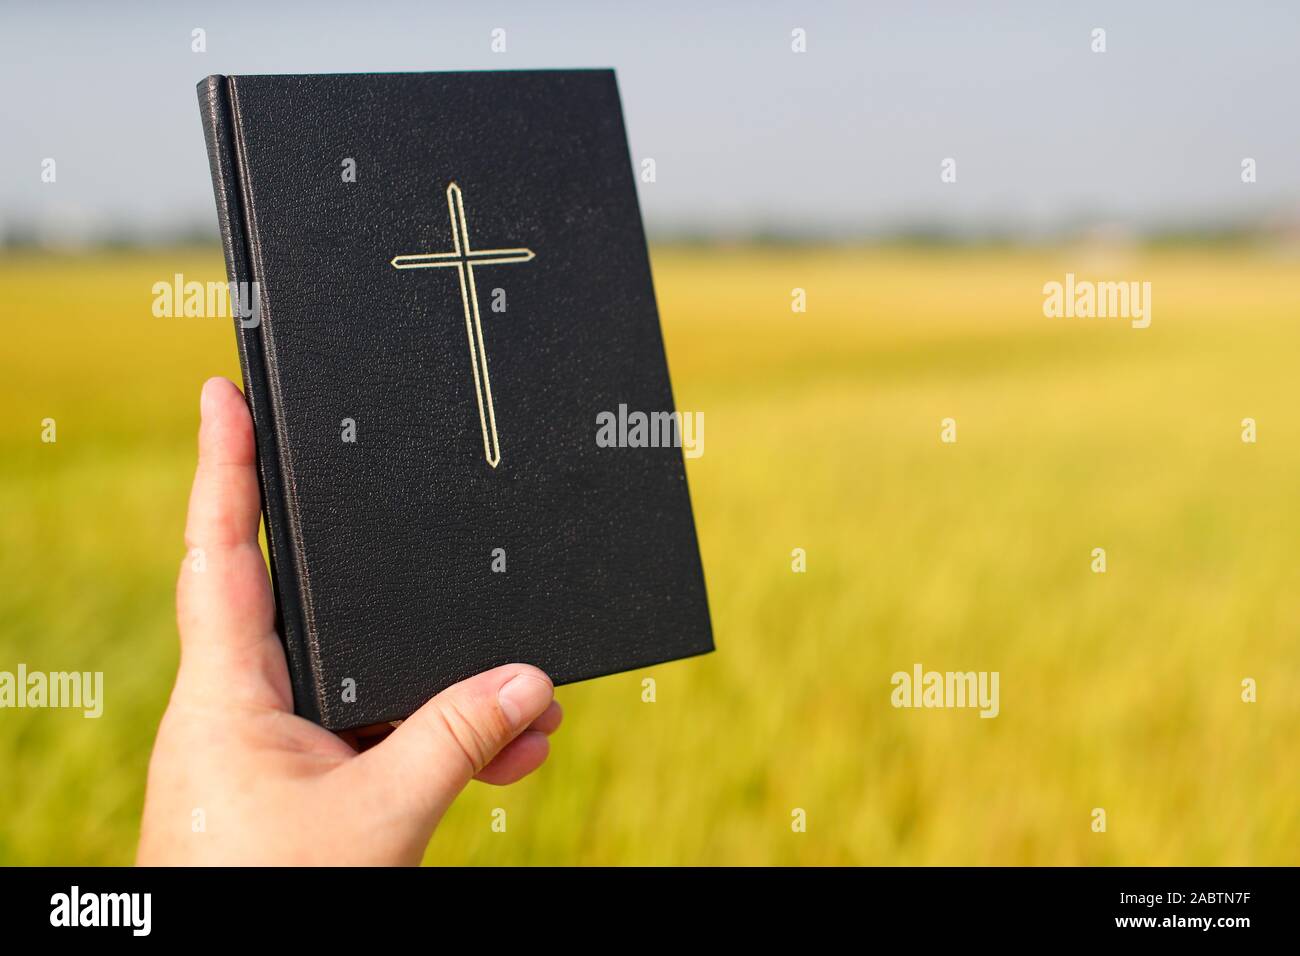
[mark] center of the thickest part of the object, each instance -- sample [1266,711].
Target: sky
[747,135]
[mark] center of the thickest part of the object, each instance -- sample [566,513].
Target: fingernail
[523,698]
[205,399]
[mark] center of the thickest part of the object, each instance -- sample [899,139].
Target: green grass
[1119,691]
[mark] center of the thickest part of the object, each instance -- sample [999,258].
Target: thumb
[434,754]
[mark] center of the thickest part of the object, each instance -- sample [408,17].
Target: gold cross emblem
[463,260]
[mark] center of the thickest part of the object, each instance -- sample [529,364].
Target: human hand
[270,787]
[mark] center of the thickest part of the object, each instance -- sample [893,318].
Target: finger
[550,720]
[225,609]
[436,751]
[521,757]
[363,738]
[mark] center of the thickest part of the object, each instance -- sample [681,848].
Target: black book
[443,296]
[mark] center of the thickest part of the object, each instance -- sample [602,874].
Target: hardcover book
[443,291]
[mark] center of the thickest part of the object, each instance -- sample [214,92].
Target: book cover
[468,446]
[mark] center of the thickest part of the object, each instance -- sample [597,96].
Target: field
[1120,691]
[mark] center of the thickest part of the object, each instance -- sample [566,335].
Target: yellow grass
[1120,691]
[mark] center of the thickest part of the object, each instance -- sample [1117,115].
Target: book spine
[237,244]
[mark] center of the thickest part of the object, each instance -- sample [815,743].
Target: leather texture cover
[452,274]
